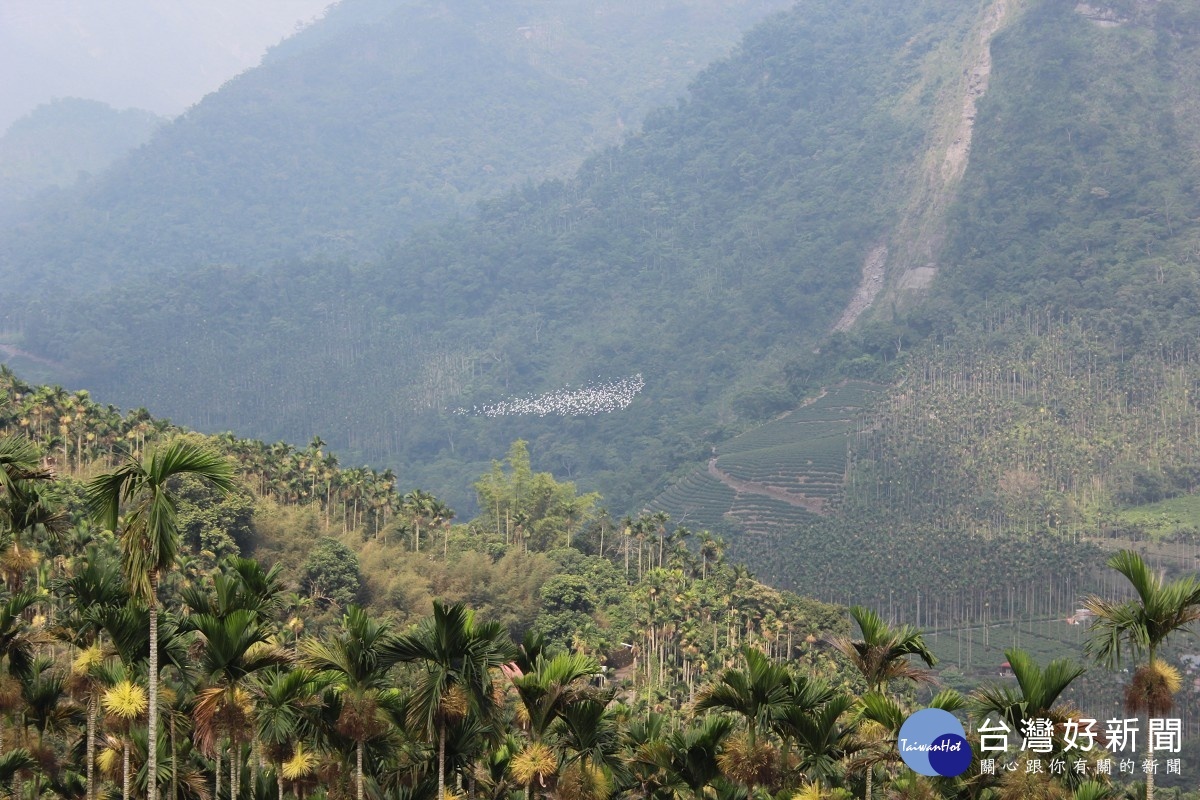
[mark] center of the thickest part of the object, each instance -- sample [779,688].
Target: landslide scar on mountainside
[906,261]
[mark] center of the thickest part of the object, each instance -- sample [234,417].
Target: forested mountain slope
[1083,193]
[701,255]
[378,118]
[60,142]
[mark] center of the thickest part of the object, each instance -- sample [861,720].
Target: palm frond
[15,761]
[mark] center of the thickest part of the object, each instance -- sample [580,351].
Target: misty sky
[158,55]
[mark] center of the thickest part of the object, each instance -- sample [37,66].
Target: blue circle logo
[932,742]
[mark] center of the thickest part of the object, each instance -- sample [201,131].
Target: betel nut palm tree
[1141,625]
[689,755]
[547,688]
[1036,697]
[95,589]
[758,694]
[124,701]
[149,535]
[233,649]
[1037,693]
[881,656]
[357,659]
[287,703]
[421,506]
[457,656]
[26,504]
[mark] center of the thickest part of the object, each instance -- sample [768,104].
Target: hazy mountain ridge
[161,57]
[57,143]
[343,142]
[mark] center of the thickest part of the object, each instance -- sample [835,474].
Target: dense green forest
[1045,388]
[1086,201]
[567,655]
[1027,437]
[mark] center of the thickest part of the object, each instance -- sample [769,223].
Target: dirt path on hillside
[9,351]
[813,504]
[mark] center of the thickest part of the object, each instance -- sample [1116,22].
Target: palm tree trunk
[1149,749]
[217,776]
[279,778]
[91,746]
[441,760]
[174,757]
[37,776]
[125,771]
[1149,772]
[870,774]
[152,723]
[358,772]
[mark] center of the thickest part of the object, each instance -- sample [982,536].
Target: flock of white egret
[593,398]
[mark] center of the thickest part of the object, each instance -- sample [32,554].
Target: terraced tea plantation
[813,475]
[699,501]
[777,475]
